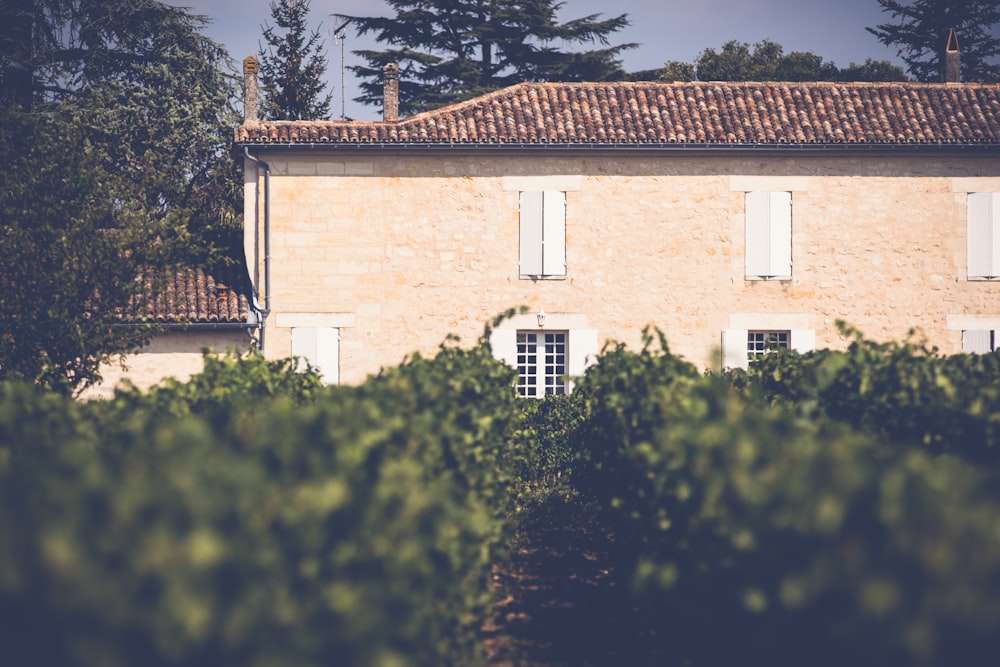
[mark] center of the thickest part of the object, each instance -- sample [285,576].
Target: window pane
[541,362]
[760,343]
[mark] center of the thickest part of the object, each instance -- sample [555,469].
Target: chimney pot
[952,59]
[390,93]
[250,89]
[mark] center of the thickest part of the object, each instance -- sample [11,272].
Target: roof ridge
[691,113]
[499,92]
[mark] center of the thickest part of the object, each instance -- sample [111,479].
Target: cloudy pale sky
[664,29]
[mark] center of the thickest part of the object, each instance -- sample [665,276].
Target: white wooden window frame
[542,231]
[735,343]
[768,235]
[761,342]
[320,346]
[542,363]
[983,235]
[581,341]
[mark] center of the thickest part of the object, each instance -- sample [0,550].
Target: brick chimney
[390,94]
[952,59]
[250,90]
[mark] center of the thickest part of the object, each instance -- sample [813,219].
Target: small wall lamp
[541,318]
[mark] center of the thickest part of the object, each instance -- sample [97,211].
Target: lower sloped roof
[191,296]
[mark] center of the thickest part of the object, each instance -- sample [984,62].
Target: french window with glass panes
[541,362]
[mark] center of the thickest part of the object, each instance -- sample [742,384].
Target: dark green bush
[824,509]
[903,392]
[252,518]
[750,533]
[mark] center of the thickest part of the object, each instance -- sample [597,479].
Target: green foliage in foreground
[212,523]
[757,535]
[904,393]
[827,509]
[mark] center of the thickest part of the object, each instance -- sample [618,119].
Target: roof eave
[643,147]
[189,326]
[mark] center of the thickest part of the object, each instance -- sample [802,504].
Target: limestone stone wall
[175,354]
[407,248]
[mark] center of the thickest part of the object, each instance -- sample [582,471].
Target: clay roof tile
[190,296]
[746,113]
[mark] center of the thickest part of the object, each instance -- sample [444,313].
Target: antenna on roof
[340,34]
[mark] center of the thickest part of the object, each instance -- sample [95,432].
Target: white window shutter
[582,351]
[976,342]
[320,346]
[734,349]
[984,234]
[758,244]
[304,345]
[554,233]
[503,344]
[531,233]
[769,234]
[802,340]
[780,264]
[328,354]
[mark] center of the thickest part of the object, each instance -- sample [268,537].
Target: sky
[665,30]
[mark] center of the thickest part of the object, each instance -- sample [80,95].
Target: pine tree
[921,35]
[452,50]
[292,67]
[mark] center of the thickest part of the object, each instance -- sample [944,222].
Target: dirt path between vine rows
[557,601]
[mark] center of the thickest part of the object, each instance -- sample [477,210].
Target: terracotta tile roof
[699,113]
[191,296]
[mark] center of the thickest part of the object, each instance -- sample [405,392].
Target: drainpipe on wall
[267,244]
[250,117]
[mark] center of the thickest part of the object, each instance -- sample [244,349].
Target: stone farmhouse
[734,217]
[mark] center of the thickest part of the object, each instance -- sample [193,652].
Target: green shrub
[823,509]
[768,534]
[903,392]
[221,523]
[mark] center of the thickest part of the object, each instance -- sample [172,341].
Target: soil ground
[557,600]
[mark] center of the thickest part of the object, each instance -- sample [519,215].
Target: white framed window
[760,343]
[320,346]
[546,358]
[542,363]
[979,341]
[768,235]
[542,234]
[984,235]
[740,346]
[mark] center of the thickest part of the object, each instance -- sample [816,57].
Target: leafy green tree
[872,70]
[804,66]
[149,91]
[452,50]
[766,61]
[672,70]
[68,258]
[738,61]
[920,31]
[292,66]
[116,116]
